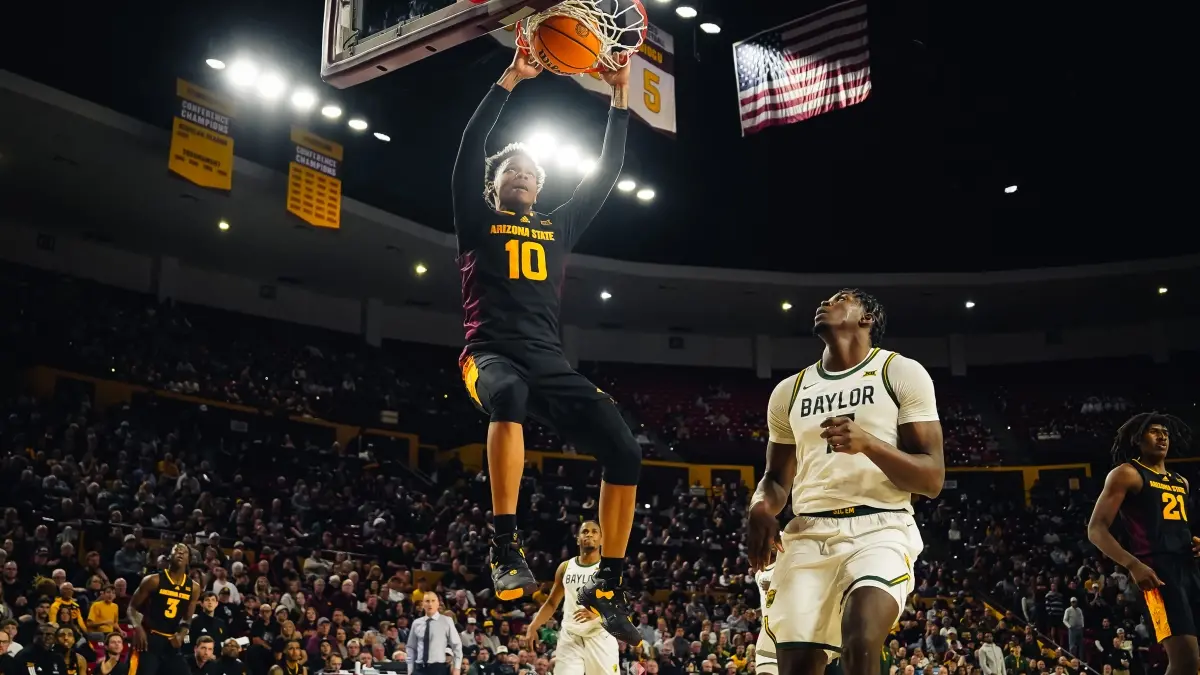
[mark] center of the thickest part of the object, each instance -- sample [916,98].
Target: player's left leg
[600,655]
[589,419]
[875,580]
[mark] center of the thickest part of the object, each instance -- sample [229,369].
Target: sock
[505,525]
[610,569]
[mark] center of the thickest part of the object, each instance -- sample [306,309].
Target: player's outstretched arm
[548,607]
[1121,481]
[466,184]
[137,605]
[591,192]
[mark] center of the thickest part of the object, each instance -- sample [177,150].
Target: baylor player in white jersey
[852,438]
[765,662]
[584,647]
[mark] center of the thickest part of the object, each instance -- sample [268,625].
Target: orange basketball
[565,45]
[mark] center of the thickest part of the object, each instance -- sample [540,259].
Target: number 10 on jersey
[526,260]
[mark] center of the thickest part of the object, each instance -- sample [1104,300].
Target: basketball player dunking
[836,431]
[1161,550]
[583,646]
[513,262]
[161,613]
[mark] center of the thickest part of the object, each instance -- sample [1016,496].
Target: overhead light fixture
[686,11]
[420,269]
[605,295]
[215,64]
[970,304]
[358,124]
[243,73]
[645,194]
[1010,189]
[304,99]
[786,306]
[383,137]
[710,28]
[331,111]
[270,86]
[586,165]
[1162,290]
[541,144]
[568,156]
[626,185]
[223,226]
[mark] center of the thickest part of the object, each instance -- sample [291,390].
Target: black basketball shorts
[535,383]
[160,658]
[1174,606]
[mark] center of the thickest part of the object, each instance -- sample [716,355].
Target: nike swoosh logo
[809,386]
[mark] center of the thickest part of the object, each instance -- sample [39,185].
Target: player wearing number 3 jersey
[513,261]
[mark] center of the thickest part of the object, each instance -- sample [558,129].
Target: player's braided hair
[1129,435]
[493,163]
[871,305]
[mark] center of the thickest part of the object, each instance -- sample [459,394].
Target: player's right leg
[601,655]
[803,602]
[569,655]
[499,388]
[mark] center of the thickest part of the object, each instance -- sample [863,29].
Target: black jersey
[169,604]
[513,265]
[1156,518]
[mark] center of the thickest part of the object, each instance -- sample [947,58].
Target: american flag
[806,67]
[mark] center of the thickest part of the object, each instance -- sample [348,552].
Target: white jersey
[881,393]
[576,577]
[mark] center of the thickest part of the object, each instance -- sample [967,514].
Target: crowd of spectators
[298,536]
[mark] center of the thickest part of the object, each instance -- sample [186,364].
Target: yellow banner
[201,143]
[314,180]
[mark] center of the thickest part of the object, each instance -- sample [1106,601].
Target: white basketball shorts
[586,655]
[823,560]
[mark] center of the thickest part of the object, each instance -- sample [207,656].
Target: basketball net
[621,30]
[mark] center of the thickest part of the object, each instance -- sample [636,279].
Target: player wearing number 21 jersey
[513,260]
[852,437]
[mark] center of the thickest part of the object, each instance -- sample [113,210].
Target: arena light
[710,28]
[243,74]
[568,156]
[304,99]
[215,64]
[645,194]
[331,111]
[686,11]
[358,124]
[786,306]
[420,269]
[270,86]
[626,185]
[542,144]
[605,295]
[383,137]
[970,304]
[223,226]
[1010,189]
[1162,290]
[586,165]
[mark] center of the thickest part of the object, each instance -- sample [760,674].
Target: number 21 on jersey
[526,260]
[1173,508]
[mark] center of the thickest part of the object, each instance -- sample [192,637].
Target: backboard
[368,38]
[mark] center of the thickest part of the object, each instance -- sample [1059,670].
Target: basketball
[565,45]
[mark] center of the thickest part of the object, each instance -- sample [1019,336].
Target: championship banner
[314,187]
[651,79]
[201,145]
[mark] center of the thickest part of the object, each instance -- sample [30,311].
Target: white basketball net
[621,30]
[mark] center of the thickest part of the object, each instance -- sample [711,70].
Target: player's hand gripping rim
[762,541]
[1196,546]
[1145,577]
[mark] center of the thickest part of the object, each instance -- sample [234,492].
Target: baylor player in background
[161,614]
[1159,549]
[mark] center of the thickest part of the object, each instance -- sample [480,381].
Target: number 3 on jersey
[172,608]
[1173,508]
[526,260]
[829,446]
